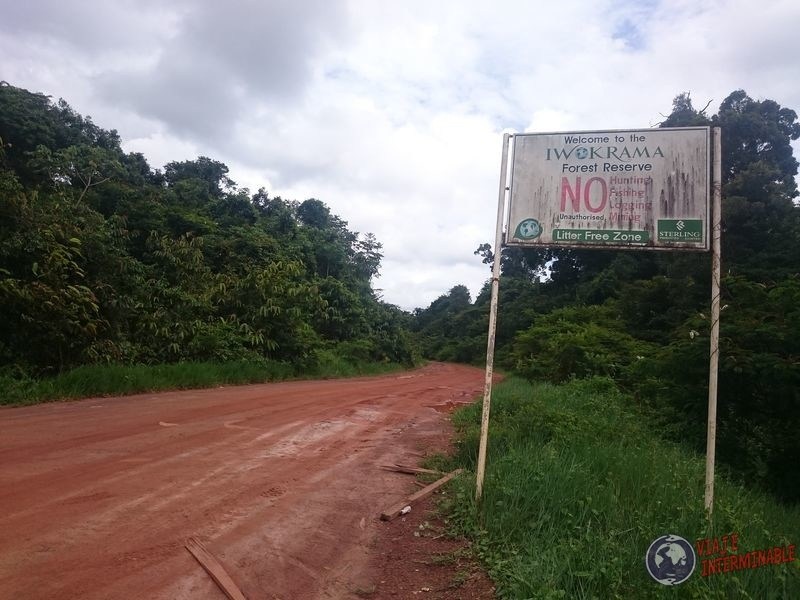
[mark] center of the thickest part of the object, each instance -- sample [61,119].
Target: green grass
[579,484]
[106,380]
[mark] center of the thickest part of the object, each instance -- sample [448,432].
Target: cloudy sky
[390,112]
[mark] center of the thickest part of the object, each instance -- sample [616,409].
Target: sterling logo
[680,230]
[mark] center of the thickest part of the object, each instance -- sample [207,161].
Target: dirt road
[280,481]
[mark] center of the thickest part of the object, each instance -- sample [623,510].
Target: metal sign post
[487,387]
[716,237]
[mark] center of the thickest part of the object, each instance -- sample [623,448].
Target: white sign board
[631,189]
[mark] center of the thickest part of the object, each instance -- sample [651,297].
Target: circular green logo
[528,229]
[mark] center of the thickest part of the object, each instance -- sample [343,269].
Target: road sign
[627,189]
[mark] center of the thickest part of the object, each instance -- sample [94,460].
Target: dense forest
[106,260]
[641,317]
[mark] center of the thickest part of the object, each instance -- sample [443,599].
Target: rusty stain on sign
[611,189]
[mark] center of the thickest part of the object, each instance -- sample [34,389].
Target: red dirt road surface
[280,482]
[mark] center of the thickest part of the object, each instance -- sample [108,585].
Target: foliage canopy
[104,259]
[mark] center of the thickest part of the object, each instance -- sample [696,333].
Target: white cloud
[391,113]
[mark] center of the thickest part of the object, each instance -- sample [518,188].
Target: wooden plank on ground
[215,570]
[392,512]
[398,468]
[419,469]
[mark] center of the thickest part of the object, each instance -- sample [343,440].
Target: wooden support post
[487,386]
[716,270]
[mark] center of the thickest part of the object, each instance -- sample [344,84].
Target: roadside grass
[579,484]
[329,364]
[113,380]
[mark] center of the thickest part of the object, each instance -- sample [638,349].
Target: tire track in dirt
[279,481]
